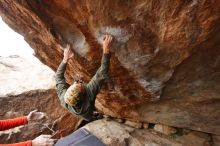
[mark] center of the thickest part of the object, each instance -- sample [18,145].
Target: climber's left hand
[34,115]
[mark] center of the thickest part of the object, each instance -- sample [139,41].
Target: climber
[79,98]
[42,140]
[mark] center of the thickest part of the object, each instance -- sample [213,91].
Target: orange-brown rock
[166,55]
[45,101]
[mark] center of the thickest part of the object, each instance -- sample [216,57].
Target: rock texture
[165,63]
[112,133]
[164,129]
[216,140]
[20,105]
[26,84]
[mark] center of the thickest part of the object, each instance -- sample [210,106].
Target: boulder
[195,138]
[165,58]
[45,101]
[167,130]
[27,85]
[112,133]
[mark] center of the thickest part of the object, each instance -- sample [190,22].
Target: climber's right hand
[68,53]
[107,43]
[43,140]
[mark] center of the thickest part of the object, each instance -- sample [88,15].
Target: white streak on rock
[119,34]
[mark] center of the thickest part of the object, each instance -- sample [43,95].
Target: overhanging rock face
[165,64]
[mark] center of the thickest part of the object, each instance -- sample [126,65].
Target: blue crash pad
[81,137]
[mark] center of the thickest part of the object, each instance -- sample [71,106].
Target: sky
[12,43]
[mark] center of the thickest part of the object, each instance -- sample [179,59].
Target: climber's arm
[98,79]
[61,84]
[11,123]
[26,143]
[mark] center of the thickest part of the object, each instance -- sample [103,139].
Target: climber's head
[74,93]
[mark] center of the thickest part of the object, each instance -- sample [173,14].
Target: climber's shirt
[85,105]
